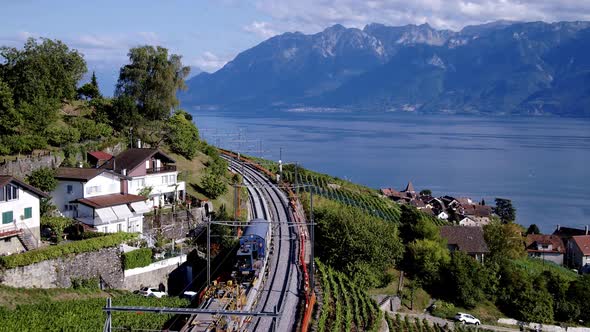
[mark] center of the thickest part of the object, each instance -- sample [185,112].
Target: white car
[146,291]
[466,319]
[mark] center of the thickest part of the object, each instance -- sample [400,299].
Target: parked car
[466,319]
[147,291]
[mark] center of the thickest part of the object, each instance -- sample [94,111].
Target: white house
[20,215]
[579,248]
[98,197]
[149,168]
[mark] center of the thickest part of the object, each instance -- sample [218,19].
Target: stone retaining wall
[58,273]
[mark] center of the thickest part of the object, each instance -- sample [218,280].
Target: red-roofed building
[98,158]
[545,247]
[99,198]
[579,251]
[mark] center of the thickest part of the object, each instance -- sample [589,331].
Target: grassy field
[76,310]
[192,171]
[10,297]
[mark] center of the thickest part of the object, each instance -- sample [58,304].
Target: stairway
[27,240]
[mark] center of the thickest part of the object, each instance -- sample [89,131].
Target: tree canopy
[505,210]
[41,71]
[183,135]
[371,244]
[152,79]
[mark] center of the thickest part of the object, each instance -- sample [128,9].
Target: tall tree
[183,136]
[152,79]
[505,210]
[10,119]
[504,240]
[48,70]
[90,90]
[533,229]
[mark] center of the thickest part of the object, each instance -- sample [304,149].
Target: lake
[541,164]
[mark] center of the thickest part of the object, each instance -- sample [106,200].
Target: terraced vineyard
[406,324]
[344,192]
[345,307]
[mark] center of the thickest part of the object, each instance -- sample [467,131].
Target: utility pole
[280,165]
[208,251]
[312,236]
[109,327]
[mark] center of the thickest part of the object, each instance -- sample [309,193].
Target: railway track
[280,291]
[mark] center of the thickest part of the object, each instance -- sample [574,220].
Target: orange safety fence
[293,202]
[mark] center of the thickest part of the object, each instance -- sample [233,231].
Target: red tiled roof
[554,240]
[6,179]
[100,155]
[103,201]
[466,238]
[583,242]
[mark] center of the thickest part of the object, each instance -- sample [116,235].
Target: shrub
[137,258]
[43,178]
[213,185]
[59,135]
[57,225]
[89,129]
[22,143]
[52,252]
[444,309]
[183,136]
[88,284]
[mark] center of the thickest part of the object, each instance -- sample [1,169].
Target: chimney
[139,144]
[558,227]
[586,229]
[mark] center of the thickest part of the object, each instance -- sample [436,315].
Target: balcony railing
[163,169]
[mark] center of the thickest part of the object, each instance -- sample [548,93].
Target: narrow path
[451,324]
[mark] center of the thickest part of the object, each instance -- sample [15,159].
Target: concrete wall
[58,273]
[153,274]
[548,256]
[11,245]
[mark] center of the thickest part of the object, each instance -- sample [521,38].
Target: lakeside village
[566,246]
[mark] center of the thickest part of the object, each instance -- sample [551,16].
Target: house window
[70,189]
[7,217]
[139,183]
[168,179]
[28,213]
[92,190]
[147,164]
[8,193]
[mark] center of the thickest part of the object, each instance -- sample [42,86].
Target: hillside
[496,68]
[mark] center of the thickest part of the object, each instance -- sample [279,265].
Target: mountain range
[503,67]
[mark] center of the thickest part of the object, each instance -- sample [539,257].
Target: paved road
[443,322]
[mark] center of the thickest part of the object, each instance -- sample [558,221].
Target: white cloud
[111,48]
[314,15]
[262,29]
[210,62]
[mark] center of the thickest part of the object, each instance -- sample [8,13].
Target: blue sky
[209,33]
